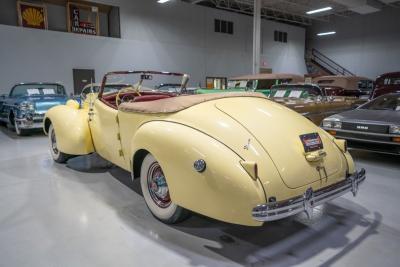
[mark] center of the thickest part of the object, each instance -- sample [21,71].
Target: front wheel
[57,155]
[156,193]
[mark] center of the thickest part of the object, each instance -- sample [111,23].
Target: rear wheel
[57,155]
[156,193]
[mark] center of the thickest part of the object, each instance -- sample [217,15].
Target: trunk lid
[278,130]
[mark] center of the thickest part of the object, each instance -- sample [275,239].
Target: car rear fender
[72,129]
[224,190]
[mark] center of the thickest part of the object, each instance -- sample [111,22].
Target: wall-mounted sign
[32,15]
[83,19]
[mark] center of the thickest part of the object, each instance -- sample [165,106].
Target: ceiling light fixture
[317,10]
[162,1]
[325,33]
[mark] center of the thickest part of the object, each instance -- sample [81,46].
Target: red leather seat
[145,98]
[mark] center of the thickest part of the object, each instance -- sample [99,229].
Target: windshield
[295,91]
[108,88]
[37,89]
[144,81]
[170,88]
[385,102]
[267,84]
[241,84]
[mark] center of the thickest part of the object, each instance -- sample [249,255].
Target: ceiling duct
[362,6]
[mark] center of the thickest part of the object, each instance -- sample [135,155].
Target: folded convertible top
[178,103]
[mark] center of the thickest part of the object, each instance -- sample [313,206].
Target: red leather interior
[143,97]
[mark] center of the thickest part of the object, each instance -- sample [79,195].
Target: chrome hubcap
[157,186]
[53,142]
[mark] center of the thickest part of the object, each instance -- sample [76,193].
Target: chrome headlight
[332,123]
[394,129]
[337,124]
[26,105]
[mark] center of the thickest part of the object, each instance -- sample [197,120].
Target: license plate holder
[311,142]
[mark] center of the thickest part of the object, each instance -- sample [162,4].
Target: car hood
[45,102]
[271,133]
[377,116]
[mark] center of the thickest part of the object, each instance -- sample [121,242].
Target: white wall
[173,37]
[367,45]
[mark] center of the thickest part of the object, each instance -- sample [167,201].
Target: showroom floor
[59,215]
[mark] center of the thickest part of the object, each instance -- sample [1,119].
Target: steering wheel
[125,98]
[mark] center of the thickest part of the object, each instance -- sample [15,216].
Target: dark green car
[261,83]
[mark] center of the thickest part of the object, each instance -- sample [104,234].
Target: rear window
[37,89]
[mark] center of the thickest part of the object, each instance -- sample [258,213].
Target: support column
[256,36]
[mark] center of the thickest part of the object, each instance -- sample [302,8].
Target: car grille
[365,127]
[38,117]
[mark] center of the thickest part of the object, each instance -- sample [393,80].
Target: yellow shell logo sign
[33,17]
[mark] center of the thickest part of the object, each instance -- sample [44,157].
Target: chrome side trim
[309,200]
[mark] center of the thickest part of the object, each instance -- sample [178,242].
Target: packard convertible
[24,107]
[200,153]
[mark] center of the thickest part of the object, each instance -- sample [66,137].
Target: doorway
[82,77]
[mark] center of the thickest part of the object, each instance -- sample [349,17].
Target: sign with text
[83,19]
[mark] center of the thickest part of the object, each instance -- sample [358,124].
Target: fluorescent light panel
[317,10]
[162,1]
[325,33]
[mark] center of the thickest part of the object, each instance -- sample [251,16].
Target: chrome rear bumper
[309,200]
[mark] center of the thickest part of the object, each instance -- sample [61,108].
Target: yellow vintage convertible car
[235,157]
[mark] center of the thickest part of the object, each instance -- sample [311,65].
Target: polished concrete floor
[84,215]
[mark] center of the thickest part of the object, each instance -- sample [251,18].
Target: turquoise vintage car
[24,107]
[261,83]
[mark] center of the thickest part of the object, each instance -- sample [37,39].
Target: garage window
[223,26]
[281,37]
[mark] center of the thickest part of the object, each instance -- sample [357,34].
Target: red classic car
[386,83]
[345,85]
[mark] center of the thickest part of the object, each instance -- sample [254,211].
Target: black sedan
[373,126]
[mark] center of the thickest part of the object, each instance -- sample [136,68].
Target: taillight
[251,168]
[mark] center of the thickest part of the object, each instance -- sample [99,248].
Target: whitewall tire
[56,154]
[156,193]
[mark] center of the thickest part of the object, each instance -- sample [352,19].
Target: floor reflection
[282,243]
